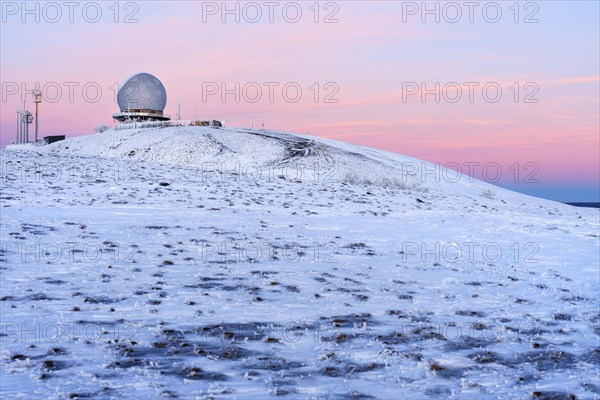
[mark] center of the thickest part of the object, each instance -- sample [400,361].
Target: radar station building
[141,97]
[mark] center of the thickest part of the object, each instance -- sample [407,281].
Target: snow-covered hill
[250,152]
[226,263]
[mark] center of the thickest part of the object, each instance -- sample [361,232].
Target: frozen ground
[224,263]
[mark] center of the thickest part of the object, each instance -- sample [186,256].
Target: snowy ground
[223,263]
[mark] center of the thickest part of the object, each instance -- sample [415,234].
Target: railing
[163,124]
[145,124]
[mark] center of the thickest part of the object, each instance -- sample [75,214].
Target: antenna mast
[37,99]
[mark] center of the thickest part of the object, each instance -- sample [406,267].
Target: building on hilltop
[141,97]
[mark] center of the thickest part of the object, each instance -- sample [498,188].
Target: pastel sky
[372,57]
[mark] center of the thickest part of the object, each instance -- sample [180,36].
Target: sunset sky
[367,56]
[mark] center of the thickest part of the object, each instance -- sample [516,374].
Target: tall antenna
[18,137]
[179,110]
[24,118]
[37,99]
[24,129]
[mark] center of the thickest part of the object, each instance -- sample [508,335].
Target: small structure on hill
[54,138]
[206,123]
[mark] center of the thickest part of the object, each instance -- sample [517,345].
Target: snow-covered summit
[250,151]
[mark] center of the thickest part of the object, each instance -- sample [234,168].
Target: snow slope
[228,263]
[243,150]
